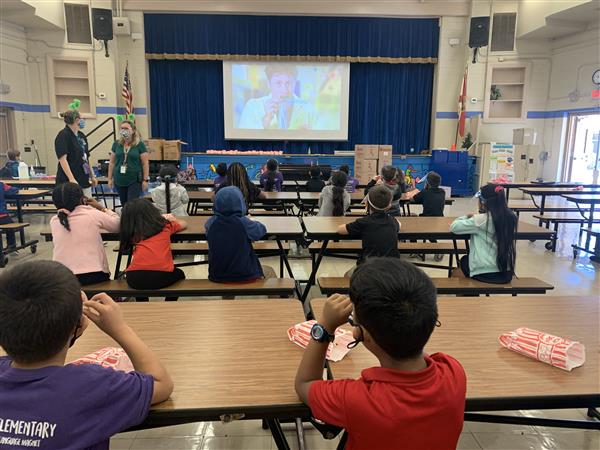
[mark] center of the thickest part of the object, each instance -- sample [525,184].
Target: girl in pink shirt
[76,233]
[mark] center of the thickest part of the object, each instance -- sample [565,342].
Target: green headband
[122,118]
[75,104]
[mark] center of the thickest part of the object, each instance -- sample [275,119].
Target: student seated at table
[271,180]
[492,249]
[54,405]
[230,233]
[352,182]
[378,230]
[334,200]
[11,168]
[169,188]
[315,183]
[433,198]
[412,400]
[221,177]
[147,233]
[76,233]
[238,176]
[5,219]
[388,179]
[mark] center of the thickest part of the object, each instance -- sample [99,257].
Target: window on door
[582,162]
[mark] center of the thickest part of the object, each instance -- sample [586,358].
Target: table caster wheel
[33,249]
[548,245]
[575,253]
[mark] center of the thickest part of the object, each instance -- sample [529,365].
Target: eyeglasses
[353,323]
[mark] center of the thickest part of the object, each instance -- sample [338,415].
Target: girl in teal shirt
[492,249]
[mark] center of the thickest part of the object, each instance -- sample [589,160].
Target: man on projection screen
[281,109]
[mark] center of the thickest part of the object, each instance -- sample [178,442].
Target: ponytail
[168,193]
[66,198]
[168,174]
[338,181]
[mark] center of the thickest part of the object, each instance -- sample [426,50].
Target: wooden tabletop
[542,190]
[41,182]
[221,354]
[589,200]
[419,227]
[208,196]
[31,193]
[313,197]
[470,330]
[546,184]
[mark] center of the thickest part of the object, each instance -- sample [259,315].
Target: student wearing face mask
[71,148]
[128,169]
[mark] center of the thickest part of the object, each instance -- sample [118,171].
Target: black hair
[344,168]
[12,155]
[70,116]
[338,182]
[379,197]
[388,173]
[168,174]
[221,169]
[401,179]
[397,303]
[238,176]
[140,220]
[505,225]
[315,171]
[272,166]
[40,307]
[67,196]
[434,179]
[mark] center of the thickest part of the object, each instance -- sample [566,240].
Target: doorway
[582,162]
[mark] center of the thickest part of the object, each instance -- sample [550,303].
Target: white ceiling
[569,21]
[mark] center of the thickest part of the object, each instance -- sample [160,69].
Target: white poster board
[502,163]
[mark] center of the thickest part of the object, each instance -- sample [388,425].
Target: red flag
[462,108]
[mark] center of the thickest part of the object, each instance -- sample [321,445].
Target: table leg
[596,256]
[103,196]
[288,267]
[19,209]
[118,264]
[278,435]
[507,192]
[300,434]
[313,275]
[542,207]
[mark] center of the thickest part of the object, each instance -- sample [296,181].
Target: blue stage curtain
[203,36]
[389,104]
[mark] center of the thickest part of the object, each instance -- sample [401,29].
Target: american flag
[127,94]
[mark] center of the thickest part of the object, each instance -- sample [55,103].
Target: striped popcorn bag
[554,350]
[299,334]
[112,357]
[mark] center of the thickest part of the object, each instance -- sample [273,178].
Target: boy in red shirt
[413,400]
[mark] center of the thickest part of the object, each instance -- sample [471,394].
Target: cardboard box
[155,149]
[365,169]
[385,156]
[172,150]
[524,136]
[363,151]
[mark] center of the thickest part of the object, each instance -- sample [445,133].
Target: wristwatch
[320,334]
[147,180]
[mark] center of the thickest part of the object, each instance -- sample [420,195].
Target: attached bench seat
[556,219]
[33,208]
[13,226]
[428,248]
[453,286]
[201,248]
[197,288]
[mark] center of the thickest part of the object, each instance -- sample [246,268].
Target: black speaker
[102,24]
[480,32]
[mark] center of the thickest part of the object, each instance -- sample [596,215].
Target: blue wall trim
[46,108]
[559,113]
[25,107]
[454,115]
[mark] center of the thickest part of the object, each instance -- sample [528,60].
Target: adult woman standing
[128,169]
[71,148]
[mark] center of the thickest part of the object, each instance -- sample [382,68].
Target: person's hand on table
[105,313]
[110,183]
[470,215]
[170,217]
[336,311]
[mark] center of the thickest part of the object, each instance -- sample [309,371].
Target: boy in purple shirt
[271,180]
[50,405]
[221,177]
[352,182]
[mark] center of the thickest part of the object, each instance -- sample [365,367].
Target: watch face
[596,77]
[317,332]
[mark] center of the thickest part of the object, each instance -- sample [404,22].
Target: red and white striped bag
[113,357]
[299,334]
[554,350]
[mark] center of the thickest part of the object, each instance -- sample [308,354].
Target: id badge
[123,170]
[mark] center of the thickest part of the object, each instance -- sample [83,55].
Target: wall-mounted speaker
[479,33]
[102,24]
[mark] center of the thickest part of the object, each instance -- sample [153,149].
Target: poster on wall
[502,163]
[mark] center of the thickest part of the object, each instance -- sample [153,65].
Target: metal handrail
[113,133]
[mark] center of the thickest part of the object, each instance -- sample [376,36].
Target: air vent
[503,32]
[77,18]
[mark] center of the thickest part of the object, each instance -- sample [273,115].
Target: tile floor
[569,276]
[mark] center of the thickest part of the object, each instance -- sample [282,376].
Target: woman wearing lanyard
[128,169]
[71,148]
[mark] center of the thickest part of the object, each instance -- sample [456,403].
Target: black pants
[10,235]
[492,277]
[128,193]
[92,278]
[154,279]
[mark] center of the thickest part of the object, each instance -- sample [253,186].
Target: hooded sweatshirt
[230,233]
